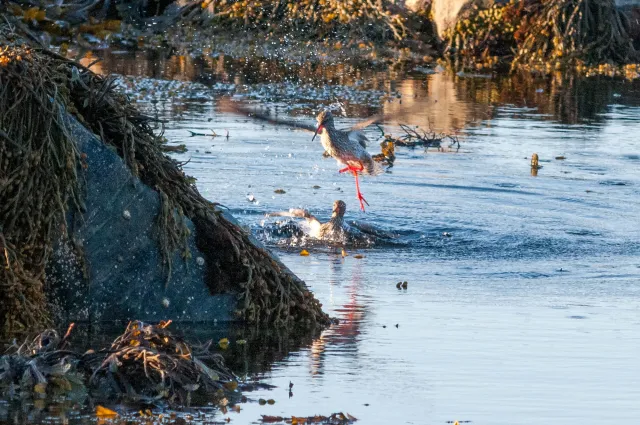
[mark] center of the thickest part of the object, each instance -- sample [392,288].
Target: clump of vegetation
[543,36]
[414,137]
[363,19]
[38,182]
[485,38]
[145,364]
[574,33]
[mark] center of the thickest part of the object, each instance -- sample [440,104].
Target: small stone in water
[200,261]
[126,214]
[165,302]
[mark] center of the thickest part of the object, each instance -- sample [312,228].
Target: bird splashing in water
[336,230]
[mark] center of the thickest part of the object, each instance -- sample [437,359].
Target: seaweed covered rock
[379,20]
[540,36]
[96,219]
[576,33]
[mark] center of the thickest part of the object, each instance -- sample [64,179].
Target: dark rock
[111,267]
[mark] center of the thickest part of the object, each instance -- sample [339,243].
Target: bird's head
[339,208]
[324,119]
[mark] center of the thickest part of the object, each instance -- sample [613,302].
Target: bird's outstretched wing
[358,137]
[227,105]
[294,212]
[382,117]
[360,125]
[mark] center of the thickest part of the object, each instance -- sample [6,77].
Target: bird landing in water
[348,147]
[337,229]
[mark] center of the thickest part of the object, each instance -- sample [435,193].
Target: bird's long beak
[318,130]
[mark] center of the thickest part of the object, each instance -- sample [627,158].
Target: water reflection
[344,337]
[448,102]
[493,255]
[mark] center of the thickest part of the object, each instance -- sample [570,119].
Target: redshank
[337,229]
[348,146]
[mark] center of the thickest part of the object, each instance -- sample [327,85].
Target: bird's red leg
[345,169]
[358,193]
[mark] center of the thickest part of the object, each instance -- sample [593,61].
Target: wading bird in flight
[347,146]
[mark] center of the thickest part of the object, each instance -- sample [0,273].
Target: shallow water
[527,313]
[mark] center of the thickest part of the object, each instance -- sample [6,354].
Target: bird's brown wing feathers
[368,121]
[379,118]
[227,105]
[358,137]
[294,212]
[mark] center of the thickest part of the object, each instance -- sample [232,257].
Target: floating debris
[103,412]
[334,419]
[535,163]
[194,133]
[417,137]
[387,155]
[279,191]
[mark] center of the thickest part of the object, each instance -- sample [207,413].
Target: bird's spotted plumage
[347,147]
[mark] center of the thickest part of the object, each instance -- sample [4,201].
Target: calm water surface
[528,313]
